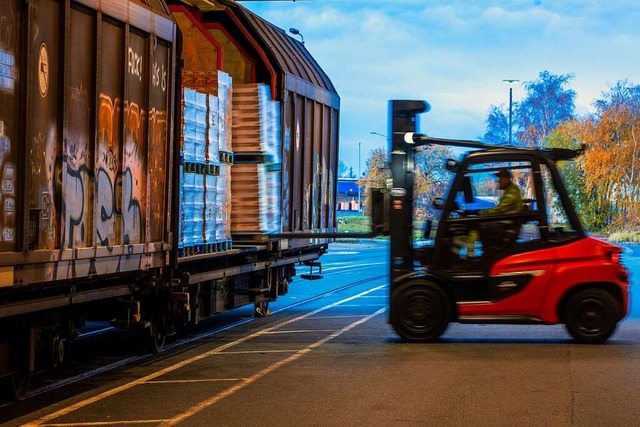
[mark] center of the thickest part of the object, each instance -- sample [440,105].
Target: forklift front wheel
[591,315]
[420,311]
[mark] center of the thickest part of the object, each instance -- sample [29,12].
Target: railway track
[83,367]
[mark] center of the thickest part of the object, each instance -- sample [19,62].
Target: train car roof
[300,73]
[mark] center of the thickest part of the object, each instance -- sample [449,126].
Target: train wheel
[56,346]
[14,386]
[157,334]
[420,311]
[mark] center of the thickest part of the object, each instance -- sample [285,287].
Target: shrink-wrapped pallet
[255,197]
[201,126]
[194,125]
[223,203]
[213,128]
[256,175]
[211,191]
[225,94]
[248,190]
[188,183]
[253,119]
[198,209]
[181,211]
[273,132]
[193,210]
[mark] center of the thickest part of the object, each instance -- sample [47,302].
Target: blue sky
[455,55]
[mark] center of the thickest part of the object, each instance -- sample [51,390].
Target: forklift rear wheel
[421,311]
[591,315]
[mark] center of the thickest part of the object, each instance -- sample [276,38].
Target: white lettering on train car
[135,64]
[159,77]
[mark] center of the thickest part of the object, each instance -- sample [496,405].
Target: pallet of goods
[205,218]
[256,174]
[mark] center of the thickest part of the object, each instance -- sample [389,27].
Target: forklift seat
[502,234]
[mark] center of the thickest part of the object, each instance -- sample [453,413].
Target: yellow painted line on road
[104,423]
[269,369]
[186,362]
[224,353]
[206,380]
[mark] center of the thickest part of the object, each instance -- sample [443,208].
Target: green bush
[630,236]
[354,224]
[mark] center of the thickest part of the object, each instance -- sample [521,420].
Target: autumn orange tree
[431,178]
[605,182]
[377,174]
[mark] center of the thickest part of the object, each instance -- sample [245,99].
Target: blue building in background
[347,198]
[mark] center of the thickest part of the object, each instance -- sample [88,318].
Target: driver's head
[504,178]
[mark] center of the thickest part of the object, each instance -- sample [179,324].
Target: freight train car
[117,163]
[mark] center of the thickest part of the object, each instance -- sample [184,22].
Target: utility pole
[510,82]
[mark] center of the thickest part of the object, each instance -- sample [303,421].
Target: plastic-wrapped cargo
[201,127]
[248,192]
[198,209]
[253,120]
[225,93]
[213,130]
[193,211]
[256,176]
[188,184]
[274,136]
[189,125]
[181,211]
[223,203]
[273,199]
[255,193]
[211,183]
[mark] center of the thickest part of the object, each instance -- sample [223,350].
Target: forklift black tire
[420,311]
[591,315]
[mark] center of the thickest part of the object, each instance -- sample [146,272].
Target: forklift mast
[402,120]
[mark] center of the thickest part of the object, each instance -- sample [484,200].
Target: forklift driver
[494,234]
[511,199]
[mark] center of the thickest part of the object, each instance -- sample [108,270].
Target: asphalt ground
[335,361]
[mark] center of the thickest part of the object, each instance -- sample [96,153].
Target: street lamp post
[510,82]
[296,32]
[377,133]
[358,183]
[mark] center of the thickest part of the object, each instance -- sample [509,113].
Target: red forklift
[533,266]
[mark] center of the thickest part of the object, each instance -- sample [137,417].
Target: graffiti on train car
[107,172]
[8,17]
[76,176]
[133,182]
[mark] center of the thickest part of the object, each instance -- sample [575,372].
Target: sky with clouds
[455,54]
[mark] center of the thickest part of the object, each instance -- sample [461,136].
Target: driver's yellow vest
[510,202]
